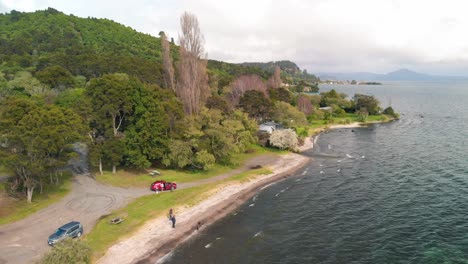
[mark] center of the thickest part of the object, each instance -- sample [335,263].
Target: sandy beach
[157,238]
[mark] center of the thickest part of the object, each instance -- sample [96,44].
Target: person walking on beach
[171,212]
[173,220]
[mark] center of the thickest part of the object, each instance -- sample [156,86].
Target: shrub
[284,139]
[68,251]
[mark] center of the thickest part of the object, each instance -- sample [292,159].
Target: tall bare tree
[243,84]
[167,62]
[304,104]
[192,85]
[275,79]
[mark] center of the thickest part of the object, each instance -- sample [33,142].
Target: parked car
[163,186]
[73,229]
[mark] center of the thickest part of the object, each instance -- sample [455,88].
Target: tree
[56,77]
[111,99]
[284,139]
[275,79]
[68,251]
[389,111]
[280,94]
[192,85]
[36,140]
[367,102]
[304,104]
[289,115]
[243,84]
[256,105]
[167,62]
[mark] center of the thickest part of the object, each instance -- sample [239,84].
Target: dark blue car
[72,229]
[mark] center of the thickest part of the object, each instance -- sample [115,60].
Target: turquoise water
[391,193]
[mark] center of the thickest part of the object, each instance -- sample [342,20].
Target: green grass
[149,207]
[317,126]
[142,179]
[14,210]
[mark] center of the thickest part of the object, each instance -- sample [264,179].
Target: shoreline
[156,240]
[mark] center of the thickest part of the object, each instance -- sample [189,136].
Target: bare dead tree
[246,83]
[192,85]
[167,62]
[304,104]
[275,79]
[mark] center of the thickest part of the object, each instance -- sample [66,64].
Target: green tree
[256,105]
[68,251]
[367,102]
[36,140]
[289,115]
[56,77]
[111,100]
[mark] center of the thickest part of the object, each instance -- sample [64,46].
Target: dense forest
[137,100]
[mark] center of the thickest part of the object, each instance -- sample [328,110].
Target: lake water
[391,193]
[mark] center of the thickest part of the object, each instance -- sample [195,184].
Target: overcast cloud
[320,35]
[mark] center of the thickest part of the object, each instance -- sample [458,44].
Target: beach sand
[157,238]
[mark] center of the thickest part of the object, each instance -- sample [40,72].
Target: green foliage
[56,77]
[289,115]
[331,98]
[368,103]
[89,47]
[290,72]
[362,115]
[256,105]
[389,111]
[280,94]
[37,139]
[68,251]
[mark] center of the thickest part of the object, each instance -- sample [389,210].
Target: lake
[390,193]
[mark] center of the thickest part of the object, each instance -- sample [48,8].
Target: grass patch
[151,206]
[14,210]
[317,126]
[142,179]
[3,170]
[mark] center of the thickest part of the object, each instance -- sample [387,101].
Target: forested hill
[87,47]
[291,73]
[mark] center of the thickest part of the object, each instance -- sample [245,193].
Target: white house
[269,127]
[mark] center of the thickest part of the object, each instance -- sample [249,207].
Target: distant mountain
[398,75]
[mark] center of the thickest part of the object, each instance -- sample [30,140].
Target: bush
[389,111]
[284,139]
[68,251]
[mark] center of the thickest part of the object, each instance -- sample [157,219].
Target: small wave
[338,170]
[259,233]
[208,245]
[321,165]
[254,198]
[363,157]
[165,258]
[322,172]
[268,185]
[349,156]
[251,205]
[218,238]
[298,180]
[338,161]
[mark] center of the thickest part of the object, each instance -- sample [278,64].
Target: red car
[163,186]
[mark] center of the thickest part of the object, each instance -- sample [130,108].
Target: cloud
[320,35]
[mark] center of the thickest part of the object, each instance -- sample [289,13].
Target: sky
[379,36]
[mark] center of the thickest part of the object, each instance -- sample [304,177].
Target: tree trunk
[114,169]
[100,166]
[30,193]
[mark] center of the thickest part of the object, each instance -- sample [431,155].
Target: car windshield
[60,232]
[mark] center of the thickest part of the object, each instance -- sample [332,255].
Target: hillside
[291,73]
[86,47]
